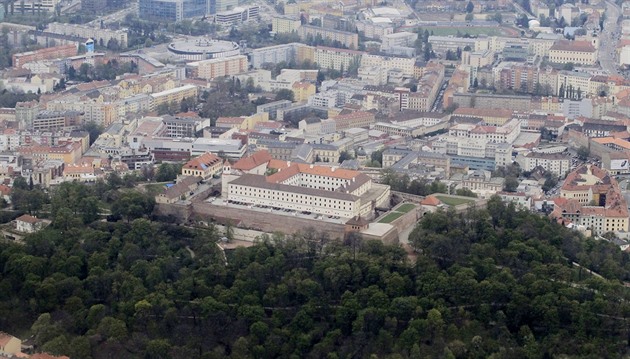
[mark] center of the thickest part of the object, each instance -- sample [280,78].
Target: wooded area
[495,283]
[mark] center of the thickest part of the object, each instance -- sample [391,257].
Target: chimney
[333,168]
[311,165]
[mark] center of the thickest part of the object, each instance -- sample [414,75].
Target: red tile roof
[27,218]
[203,161]
[253,161]
[431,201]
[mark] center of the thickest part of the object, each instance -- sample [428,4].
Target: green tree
[470,7]
[345,155]
[583,153]
[466,192]
[510,184]
[284,94]
[167,172]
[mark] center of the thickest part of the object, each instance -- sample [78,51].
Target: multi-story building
[374,30]
[413,124]
[557,163]
[505,133]
[386,63]
[173,95]
[480,182]
[68,153]
[100,113]
[344,38]
[327,99]
[285,24]
[179,127]
[576,52]
[398,39]
[477,58]
[302,91]
[36,5]
[429,85]
[25,113]
[354,119]
[295,52]
[205,166]
[55,52]
[101,36]
[591,197]
[337,59]
[301,187]
[496,116]
[237,15]
[441,44]
[403,160]
[172,10]
[213,68]
[52,120]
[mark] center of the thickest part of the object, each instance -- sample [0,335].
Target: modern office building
[172,10]
[177,10]
[237,15]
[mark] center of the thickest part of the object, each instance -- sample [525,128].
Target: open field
[453,201]
[390,217]
[406,207]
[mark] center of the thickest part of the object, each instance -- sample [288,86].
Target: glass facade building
[172,10]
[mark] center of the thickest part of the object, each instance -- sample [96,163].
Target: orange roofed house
[204,166]
[576,52]
[261,181]
[29,224]
[591,197]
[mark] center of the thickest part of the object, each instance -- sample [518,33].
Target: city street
[117,16]
[608,39]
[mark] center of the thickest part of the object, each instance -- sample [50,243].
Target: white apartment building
[285,24]
[574,80]
[301,187]
[374,30]
[576,52]
[557,163]
[276,54]
[489,134]
[220,67]
[173,95]
[386,63]
[398,39]
[329,99]
[337,59]
[94,32]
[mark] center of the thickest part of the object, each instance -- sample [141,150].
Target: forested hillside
[494,283]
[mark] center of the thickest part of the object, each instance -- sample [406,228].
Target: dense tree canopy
[491,283]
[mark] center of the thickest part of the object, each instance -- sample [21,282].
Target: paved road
[609,38]
[117,16]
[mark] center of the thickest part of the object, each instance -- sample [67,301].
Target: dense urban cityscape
[339,179]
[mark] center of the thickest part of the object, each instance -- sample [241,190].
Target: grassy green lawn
[406,207]
[451,201]
[390,217]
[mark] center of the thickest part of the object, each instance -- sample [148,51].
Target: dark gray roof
[259,181]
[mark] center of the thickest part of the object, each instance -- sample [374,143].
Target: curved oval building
[203,48]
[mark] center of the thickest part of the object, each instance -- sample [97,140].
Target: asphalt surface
[609,38]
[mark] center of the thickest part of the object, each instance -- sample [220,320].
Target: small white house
[29,224]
